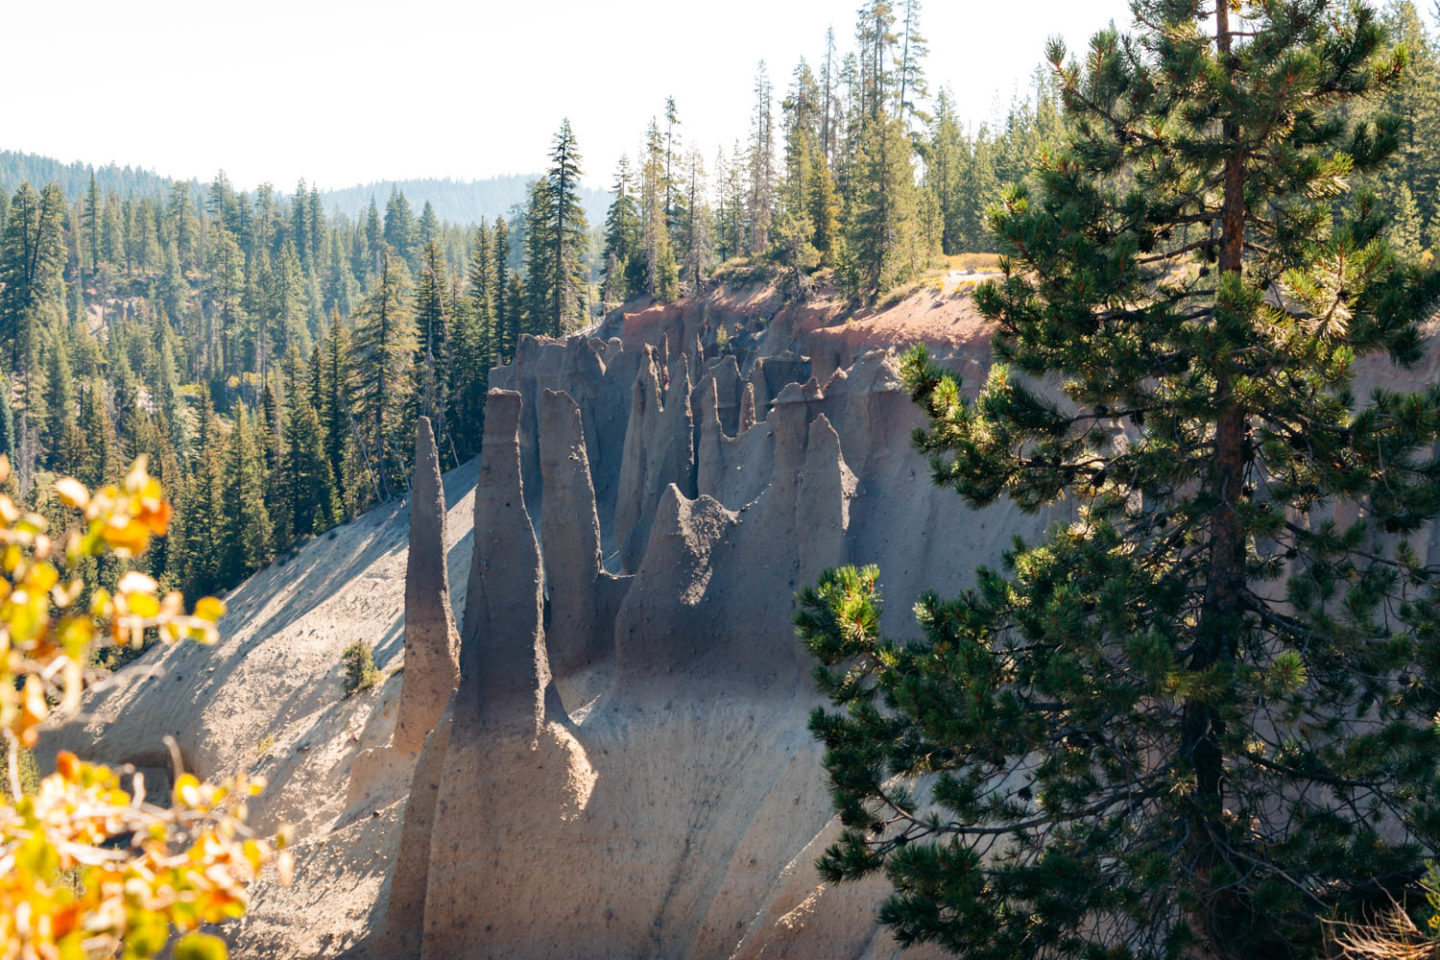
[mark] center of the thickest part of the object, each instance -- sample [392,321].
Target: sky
[351,92]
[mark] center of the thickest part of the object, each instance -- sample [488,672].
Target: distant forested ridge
[462,202]
[457,201]
[74,178]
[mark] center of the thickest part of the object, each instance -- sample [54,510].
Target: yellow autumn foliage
[88,868]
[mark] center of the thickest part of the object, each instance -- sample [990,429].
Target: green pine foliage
[247,532]
[566,238]
[360,673]
[385,342]
[623,253]
[307,479]
[1406,235]
[1198,718]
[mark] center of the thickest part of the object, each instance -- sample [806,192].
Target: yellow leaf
[199,946]
[138,476]
[143,605]
[137,582]
[42,577]
[187,790]
[72,493]
[209,608]
[125,534]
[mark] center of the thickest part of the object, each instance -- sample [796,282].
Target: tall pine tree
[1197,719]
[384,350]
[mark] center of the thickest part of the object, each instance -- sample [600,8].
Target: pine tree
[622,255]
[7,420]
[225,269]
[112,232]
[399,230]
[536,242]
[203,507]
[312,503]
[1197,719]
[64,444]
[877,41]
[287,306]
[300,224]
[92,224]
[829,103]
[1415,100]
[800,112]
[432,316]
[100,460]
[730,226]
[269,434]
[315,220]
[662,272]
[507,309]
[477,348]
[244,541]
[697,224]
[384,355]
[567,234]
[910,70]
[184,225]
[883,238]
[672,120]
[32,255]
[824,210]
[481,275]
[1405,227]
[339,289]
[515,301]
[945,161]
[374,240]
[337,399]
[762,166]
[427,228]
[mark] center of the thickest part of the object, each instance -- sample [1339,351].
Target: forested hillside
[17,168]
[458,201]
[269,354]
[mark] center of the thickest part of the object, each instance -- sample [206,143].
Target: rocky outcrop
[659,450]
[624,768]
[432,644]
[432,673]
[511,765]
[693,757]
[581,597]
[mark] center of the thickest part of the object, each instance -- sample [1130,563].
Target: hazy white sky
[347,92]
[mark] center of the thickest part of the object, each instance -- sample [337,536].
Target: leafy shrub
[91,871]
[360,672]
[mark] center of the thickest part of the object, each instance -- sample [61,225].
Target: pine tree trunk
[1220,617]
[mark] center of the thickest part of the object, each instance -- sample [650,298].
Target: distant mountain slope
[74,178]
[456,201]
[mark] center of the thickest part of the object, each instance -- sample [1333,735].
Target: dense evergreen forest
[457,201]
[269,355]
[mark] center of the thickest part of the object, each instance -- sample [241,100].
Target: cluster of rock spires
[609,757]
[622,767]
